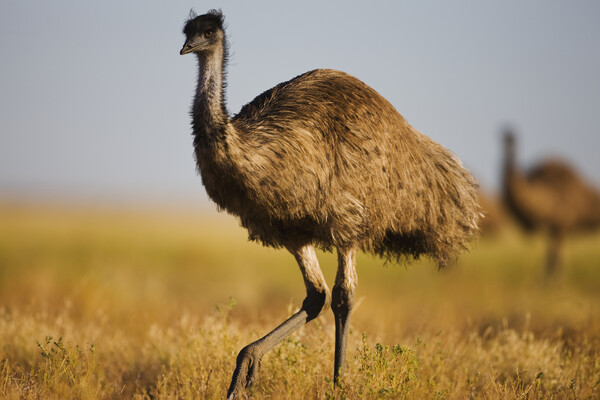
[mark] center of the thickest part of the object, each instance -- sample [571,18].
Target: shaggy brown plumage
[550,197]
[324,160]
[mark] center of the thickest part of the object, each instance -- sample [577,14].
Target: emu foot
[246,371]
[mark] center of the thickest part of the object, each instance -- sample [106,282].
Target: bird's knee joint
[342,300]
[316,302]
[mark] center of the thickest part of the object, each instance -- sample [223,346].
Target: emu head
[203,33]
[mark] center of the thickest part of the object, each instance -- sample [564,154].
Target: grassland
[111,304]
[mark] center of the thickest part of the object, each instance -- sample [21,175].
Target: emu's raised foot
[246,370]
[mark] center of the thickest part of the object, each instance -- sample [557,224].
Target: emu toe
[246,371]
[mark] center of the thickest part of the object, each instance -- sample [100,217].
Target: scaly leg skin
[342,297]
[318,299]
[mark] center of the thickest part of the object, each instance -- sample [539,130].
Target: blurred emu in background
[493,216]
[550,197]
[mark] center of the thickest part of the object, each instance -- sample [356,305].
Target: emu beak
[187,48]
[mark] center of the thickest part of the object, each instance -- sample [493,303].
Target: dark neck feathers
[510,163]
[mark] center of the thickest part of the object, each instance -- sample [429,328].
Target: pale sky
[95,98]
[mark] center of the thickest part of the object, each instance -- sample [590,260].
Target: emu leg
[318,299]
[342,297]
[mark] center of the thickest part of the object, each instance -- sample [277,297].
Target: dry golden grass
[114,304]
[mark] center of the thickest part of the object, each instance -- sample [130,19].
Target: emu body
[323,160]
[550,197]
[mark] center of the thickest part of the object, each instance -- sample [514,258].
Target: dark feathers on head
[212,20]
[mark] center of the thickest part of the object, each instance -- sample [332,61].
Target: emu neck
[513,179]
[510,164]
[209,112]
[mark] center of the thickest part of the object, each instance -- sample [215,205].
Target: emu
[323,160]
[550,197]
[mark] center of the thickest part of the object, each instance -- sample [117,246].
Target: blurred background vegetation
[152,302]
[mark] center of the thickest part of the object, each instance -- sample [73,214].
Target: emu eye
[208,34]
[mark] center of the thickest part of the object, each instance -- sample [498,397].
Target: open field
[110,304]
